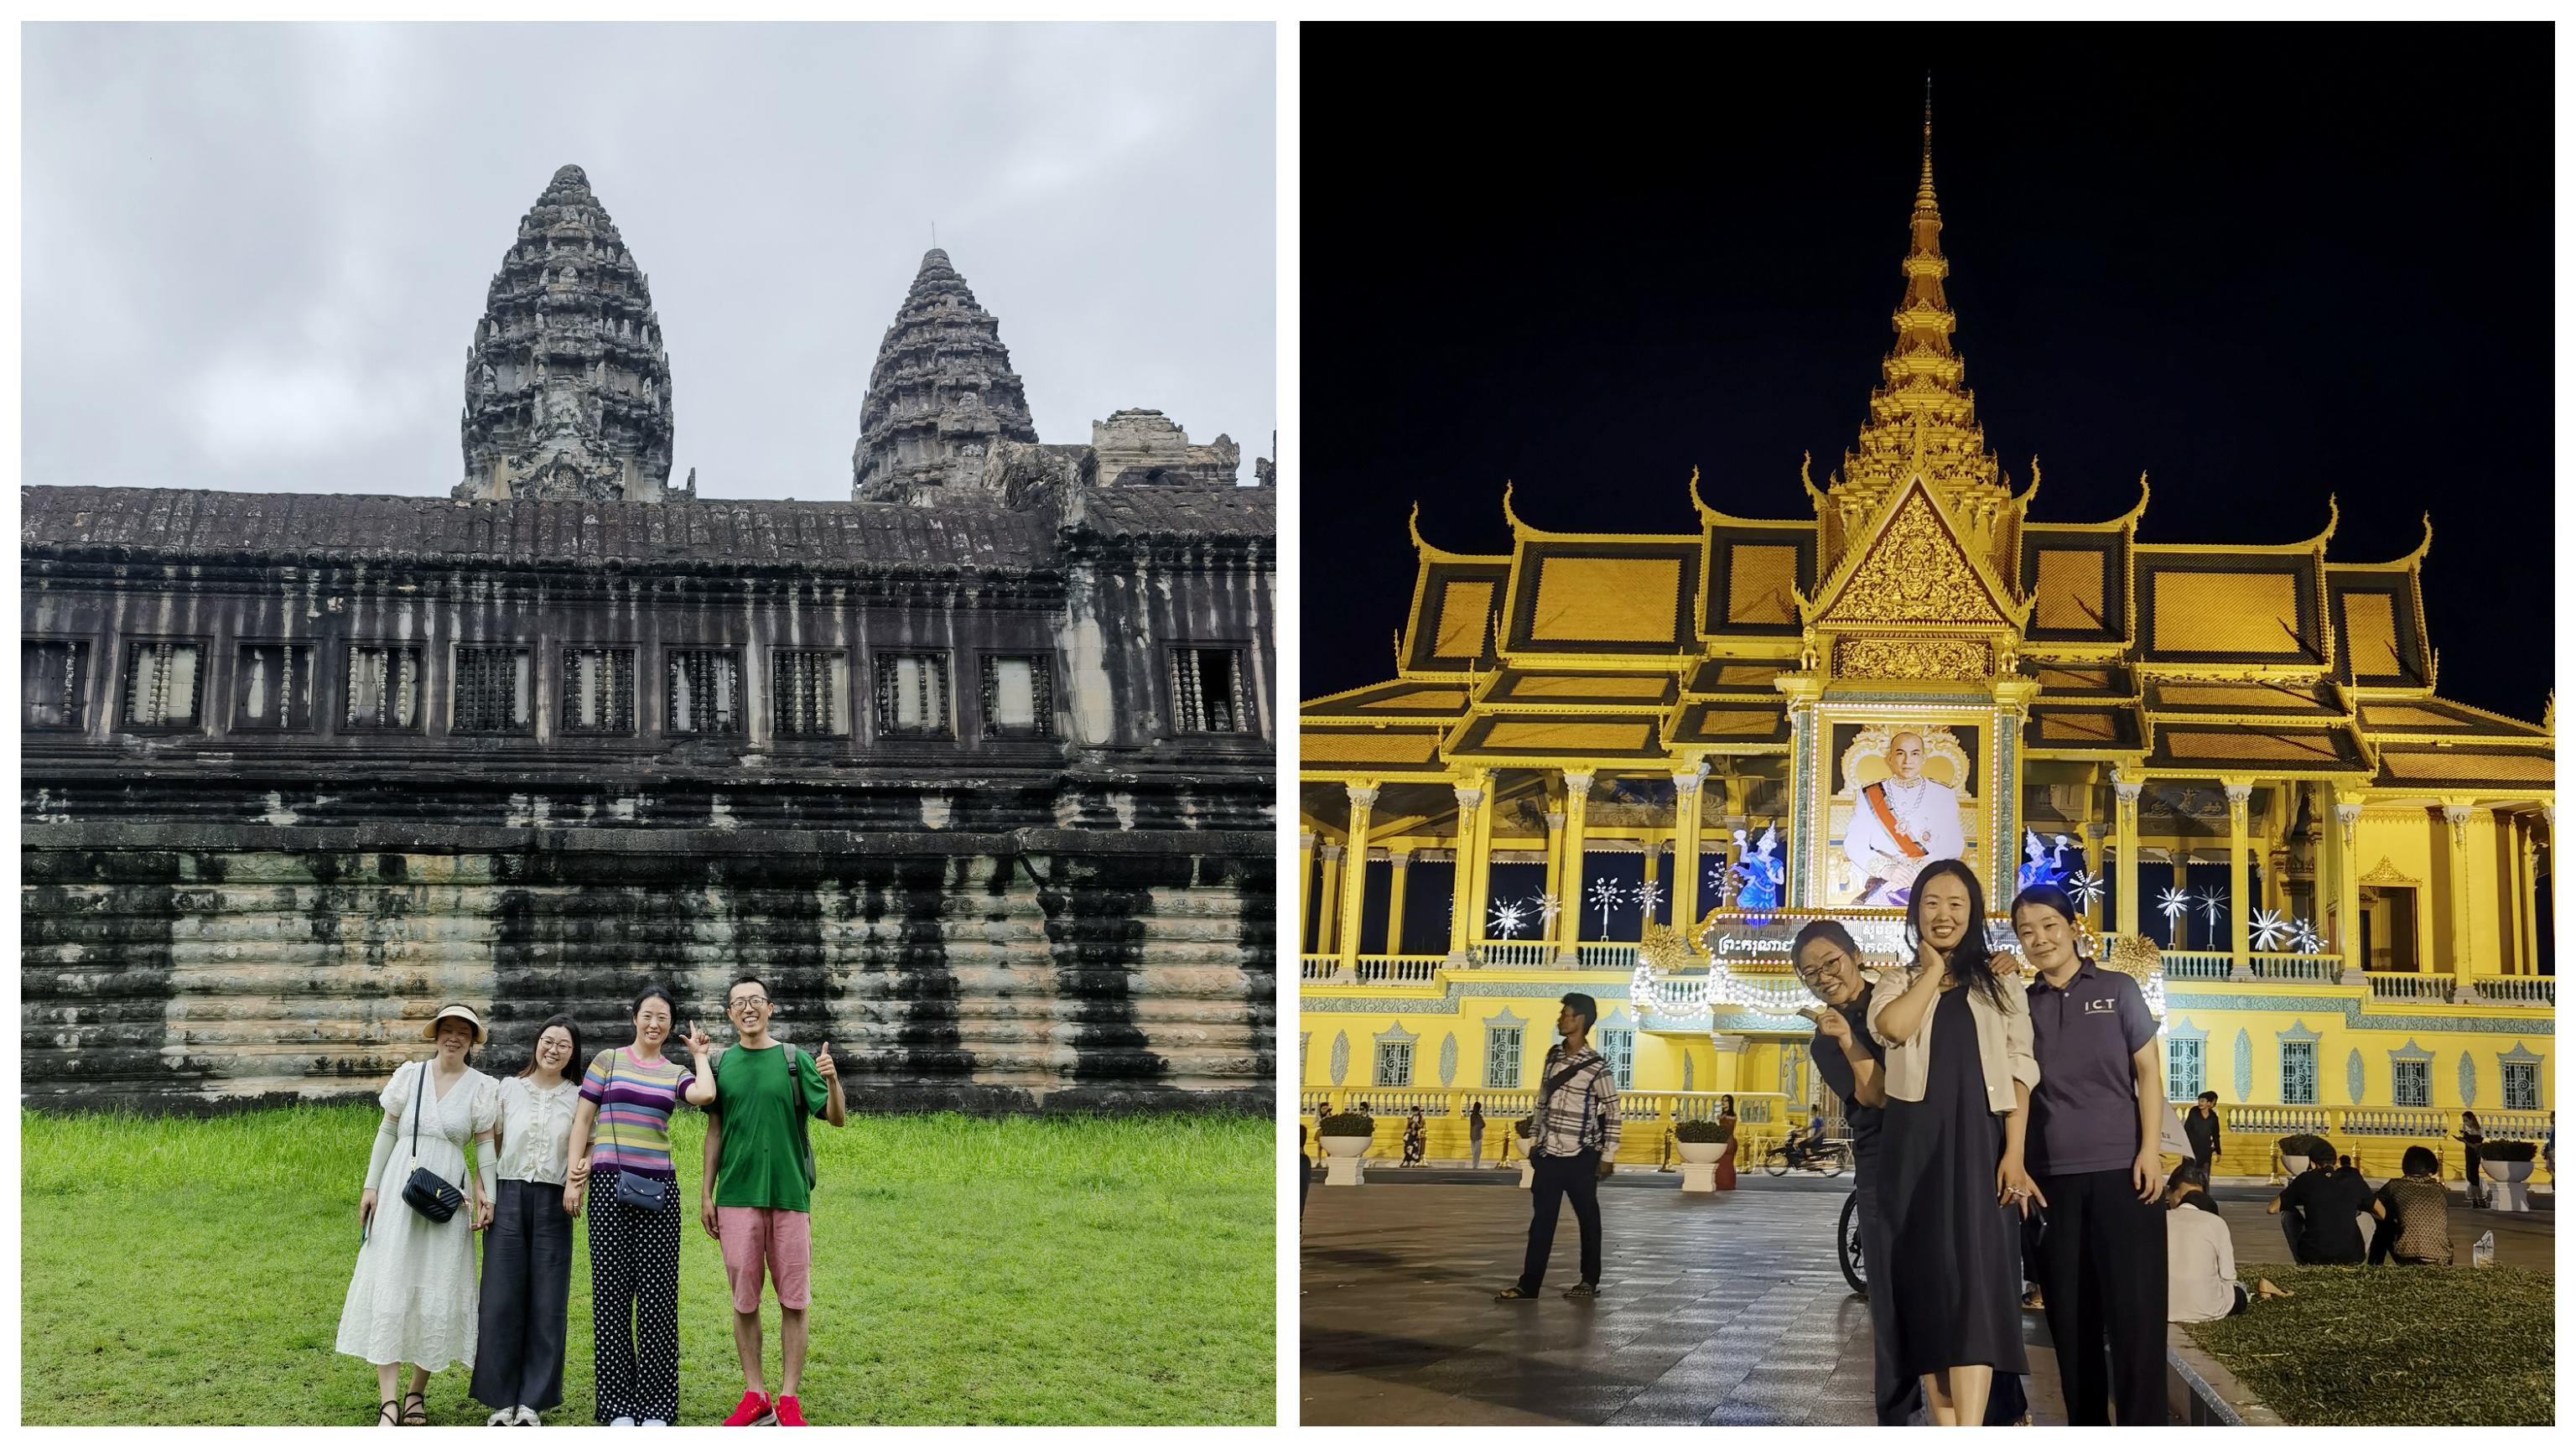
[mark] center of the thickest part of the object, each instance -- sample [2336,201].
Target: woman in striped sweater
[628,1096]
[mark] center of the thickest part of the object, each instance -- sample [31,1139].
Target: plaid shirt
[1582,1114]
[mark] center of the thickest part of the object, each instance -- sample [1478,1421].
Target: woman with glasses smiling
[630,1094]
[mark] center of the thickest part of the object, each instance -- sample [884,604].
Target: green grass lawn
[2395,1345]
[966,1270]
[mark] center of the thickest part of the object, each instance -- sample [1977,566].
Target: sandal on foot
[1512,1294]
[408,1410]
[1583,1290]
[388,1413]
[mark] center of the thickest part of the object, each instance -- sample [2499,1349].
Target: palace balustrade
[1763,1119]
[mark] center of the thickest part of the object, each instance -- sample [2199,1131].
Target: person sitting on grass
[2328,1205]
[2200,1256]
[411,1299]
[757,1195]
[2415,1213]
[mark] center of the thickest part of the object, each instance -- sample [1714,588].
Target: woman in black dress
[1959,1074]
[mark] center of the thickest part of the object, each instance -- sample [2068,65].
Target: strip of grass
[2395,1345]
[967,1270]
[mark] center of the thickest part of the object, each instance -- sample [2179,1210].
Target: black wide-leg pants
[2103,1271]
[1577,1179]
[634,1306]
[527,1281]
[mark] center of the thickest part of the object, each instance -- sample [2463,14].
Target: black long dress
[1953,1266]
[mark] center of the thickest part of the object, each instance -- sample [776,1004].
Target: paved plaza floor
[1725,1308]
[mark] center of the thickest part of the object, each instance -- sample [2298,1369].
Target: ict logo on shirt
[2101,1006]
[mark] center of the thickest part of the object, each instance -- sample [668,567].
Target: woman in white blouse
[411,1300]
[527,1261]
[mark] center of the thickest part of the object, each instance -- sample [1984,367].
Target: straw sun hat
[462,1013]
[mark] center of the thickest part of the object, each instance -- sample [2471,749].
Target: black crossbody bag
[429,1194]
[1547,1091]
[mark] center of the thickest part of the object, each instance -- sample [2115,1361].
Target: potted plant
[2299,1149]
[1346,1134]
[2508,1165]
[1701,1141]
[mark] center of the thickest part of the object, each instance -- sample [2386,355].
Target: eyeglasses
[741,1002]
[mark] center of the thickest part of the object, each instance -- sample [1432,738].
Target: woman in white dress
[527,1257]
[412,1297]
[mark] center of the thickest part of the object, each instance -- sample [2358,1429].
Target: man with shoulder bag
[1574,1135]
[757,1199]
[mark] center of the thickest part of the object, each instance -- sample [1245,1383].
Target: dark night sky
[2259,264]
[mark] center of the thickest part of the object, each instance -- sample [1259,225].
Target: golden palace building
[1632,765]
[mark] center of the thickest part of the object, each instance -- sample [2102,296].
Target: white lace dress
[412,1298]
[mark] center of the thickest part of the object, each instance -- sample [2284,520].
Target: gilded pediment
[1915,572]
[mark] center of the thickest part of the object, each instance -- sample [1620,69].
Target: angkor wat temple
[975,770]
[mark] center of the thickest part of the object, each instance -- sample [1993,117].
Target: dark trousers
[527,1280]
[1576,1179]
[634,1306]
[1895,1391]
[2293,1221]
[2103,1271]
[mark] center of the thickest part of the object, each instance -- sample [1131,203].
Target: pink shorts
[782,1241]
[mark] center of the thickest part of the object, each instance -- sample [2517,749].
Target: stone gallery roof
[256,528]
[1170,511]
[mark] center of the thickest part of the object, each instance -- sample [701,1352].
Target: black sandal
[1511,1294]
[408,1410]
[388,1413]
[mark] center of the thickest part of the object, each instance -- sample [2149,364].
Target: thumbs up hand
[823,1063]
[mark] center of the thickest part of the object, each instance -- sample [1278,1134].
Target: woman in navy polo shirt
[2093,1149]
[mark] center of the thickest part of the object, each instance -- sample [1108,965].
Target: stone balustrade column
[1686,802]
[1402,863]
[1355,873]
[2240,962]
[2347,813]
[2455,814]
[1466,912]
[1554,875]
[2125,825]
[2526,887]
[1327,900]
[1578,792]
[1305,883]
[2093,867]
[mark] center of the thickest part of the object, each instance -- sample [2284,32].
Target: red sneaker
[788,1414]
[753,1408]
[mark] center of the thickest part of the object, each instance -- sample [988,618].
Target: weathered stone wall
[215,916]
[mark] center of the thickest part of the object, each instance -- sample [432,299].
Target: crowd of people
[550,1147]
[2005,1128]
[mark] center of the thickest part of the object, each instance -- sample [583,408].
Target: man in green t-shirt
[758,1185]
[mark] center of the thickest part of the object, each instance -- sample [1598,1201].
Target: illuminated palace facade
[1632,765]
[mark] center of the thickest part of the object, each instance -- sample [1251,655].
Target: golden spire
[1922,420]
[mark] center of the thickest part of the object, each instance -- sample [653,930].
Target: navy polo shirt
[2084,1112]
[1836,1069]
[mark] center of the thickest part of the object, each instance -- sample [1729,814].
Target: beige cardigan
[2003,1038]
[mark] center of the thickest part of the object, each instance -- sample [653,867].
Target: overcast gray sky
[254,254]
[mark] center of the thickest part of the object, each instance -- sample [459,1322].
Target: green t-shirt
[761,1162]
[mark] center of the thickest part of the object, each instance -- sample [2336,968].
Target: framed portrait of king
[1902,788]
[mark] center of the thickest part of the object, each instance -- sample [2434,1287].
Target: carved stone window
[806,690]
[912,695]
[54,682]
[273,687]
[1394,1064]
[381,689]
[495,691]
[1018,697]
[599,691]
[1208,695]
[706,692]
[2298,1073]
[163,682]
[2522,1086]
[2411,1083]
[2185,1068]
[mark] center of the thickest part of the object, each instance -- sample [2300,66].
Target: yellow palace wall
[1458,1006]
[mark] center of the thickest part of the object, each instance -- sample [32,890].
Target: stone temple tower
[567,390]
[942,396]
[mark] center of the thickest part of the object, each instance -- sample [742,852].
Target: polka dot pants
[634,1307]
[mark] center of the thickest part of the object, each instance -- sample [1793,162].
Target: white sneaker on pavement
[621,1422]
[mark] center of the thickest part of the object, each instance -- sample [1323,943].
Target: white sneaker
[528,1418]
[655,1424]
[501,1417]
[621,1422]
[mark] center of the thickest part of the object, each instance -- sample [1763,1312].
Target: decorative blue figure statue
[1759,877]
[2038,869]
